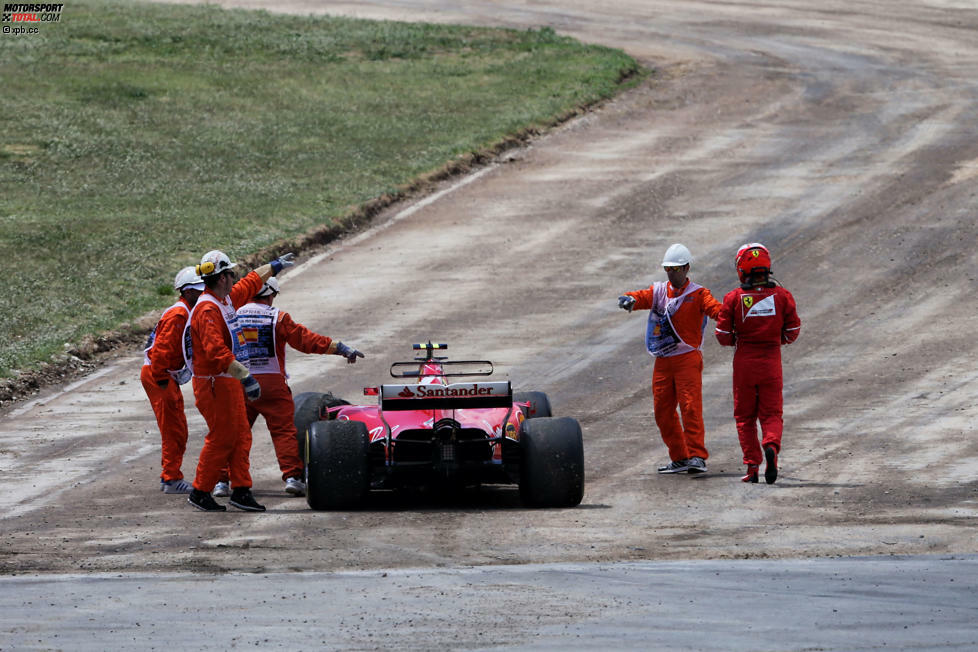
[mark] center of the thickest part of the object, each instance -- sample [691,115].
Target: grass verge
[136,137]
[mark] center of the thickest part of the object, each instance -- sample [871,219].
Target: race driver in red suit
[757,318]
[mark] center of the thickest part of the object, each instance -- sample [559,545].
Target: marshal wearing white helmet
[163,372]
[678,309]
[215,352]
[270,289]
[266,331]
[677,255]
[215,263]
[188,279]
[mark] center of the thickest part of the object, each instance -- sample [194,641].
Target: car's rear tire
[306,412]
[308,408]
[539,404]
[337,466]
[551,462]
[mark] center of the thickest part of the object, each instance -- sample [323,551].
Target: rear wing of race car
[432,365]
[458,396]
[444,368]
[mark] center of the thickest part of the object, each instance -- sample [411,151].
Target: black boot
[771,470]
[203,501]
[243,499]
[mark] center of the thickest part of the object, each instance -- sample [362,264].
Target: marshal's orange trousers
[678,381]
[227,445]
[277,407]
[168,407]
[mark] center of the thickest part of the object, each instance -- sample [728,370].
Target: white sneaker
[679,466]
[221,490]
[180,486]
[696,465]
[295,486]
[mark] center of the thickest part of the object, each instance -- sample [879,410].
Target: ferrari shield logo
[748,301]
[763,308]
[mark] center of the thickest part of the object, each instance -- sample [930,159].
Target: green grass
[136,137]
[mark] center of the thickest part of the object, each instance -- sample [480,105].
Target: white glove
[238,370]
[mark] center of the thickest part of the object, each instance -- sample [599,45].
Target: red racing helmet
[751,258]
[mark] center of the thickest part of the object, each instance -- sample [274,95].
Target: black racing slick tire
[307,406]
[551,462]
[539,404]
[337,466]
[308,409]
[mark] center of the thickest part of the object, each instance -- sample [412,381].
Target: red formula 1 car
[433,431]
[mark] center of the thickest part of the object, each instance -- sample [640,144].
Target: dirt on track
[840,134]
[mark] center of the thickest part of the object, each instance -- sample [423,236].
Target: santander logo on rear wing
[446,397]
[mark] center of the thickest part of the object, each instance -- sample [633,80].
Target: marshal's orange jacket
[688,320]
[209,335]
[300,338]
[167,351]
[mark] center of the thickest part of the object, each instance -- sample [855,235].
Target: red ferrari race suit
[163,363]
[674,336]
[216,340]
[267,330]
[758,321]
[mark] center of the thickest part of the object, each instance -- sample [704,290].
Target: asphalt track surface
[840,134]
[916,603]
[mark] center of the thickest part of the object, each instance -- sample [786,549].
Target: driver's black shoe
[203,501]
[751,473]
[243,499]
[771,470]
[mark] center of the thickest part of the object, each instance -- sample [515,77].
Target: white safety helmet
[677,255]
[187,279]
[270,288]
[213,263]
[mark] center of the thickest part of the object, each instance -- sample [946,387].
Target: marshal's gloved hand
[347,352]
[182,376]
[251,387]
[283,261]
[626,302]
